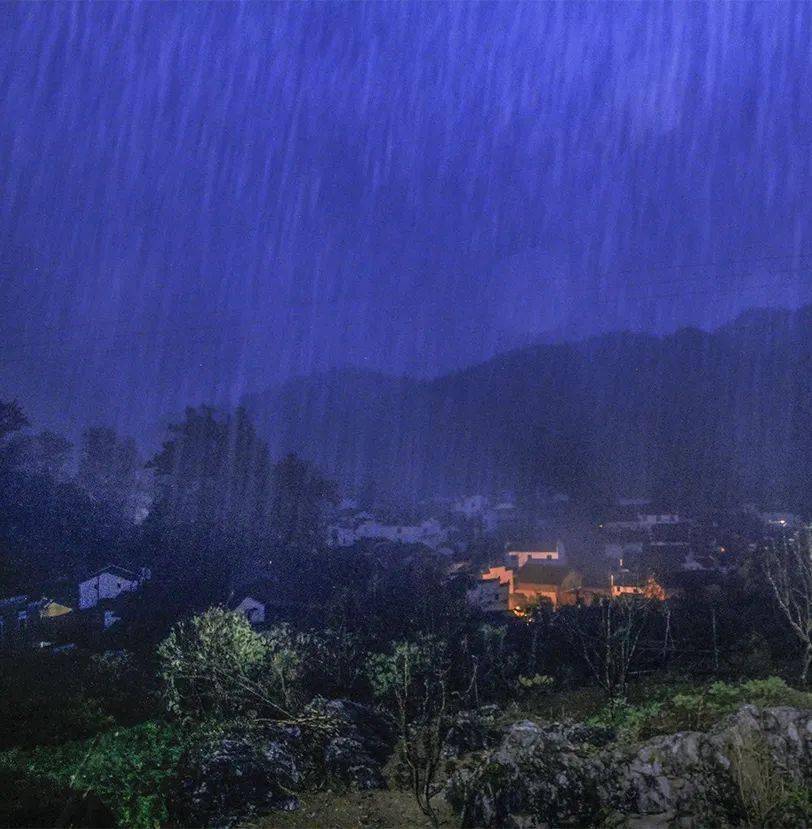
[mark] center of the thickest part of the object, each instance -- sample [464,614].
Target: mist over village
[405,415]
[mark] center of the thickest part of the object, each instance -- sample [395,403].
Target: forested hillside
[694,416]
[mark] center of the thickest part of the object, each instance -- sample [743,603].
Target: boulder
[356,746]
[537,775]
[753,753]
[471,731]
[228,780]
[236,777]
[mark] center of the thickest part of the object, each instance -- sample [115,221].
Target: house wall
[103,586]
[54,609]
[253,609]
[490,595]
[525,593]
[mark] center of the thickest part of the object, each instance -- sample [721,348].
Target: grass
[127,768]
[358,810]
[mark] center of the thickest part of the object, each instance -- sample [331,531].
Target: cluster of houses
[445,525]
[644,549]
[636,549]
[67,611]
[348,529]
[535,574]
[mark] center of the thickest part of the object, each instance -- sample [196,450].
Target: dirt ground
[375,809]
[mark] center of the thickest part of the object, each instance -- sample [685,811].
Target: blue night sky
[202,199]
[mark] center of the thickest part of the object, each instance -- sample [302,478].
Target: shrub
[696,710]
[629,722]
[701,709]
[412,683]
[216,665]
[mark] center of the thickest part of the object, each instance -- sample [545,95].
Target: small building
[109,583]
[24,620]
[471,506]
[625,583]
[652,519]
[781,520]
[541,581]
[254,609]
[429,533]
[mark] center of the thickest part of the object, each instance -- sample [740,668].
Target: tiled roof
[541,573]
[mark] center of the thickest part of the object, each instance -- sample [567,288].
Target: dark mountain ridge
[695,417]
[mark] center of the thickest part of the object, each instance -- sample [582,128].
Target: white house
[429,532]
[109,583]
[546,552]
[490,595]
[254,610]
[782,520]
[340,535]
[646,520]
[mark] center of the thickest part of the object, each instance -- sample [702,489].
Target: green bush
[630,722]
[127,768]
[217,666]
[700,709]
[696,710]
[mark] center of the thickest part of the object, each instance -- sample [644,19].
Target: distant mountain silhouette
[699,418]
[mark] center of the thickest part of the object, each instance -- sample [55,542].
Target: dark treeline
[212,512]
[210,508]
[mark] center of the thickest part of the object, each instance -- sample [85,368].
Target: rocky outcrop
[230,779]
[559,775]
[353,754]
[546,774]
[472,731]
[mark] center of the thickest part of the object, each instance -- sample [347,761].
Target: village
[514,555]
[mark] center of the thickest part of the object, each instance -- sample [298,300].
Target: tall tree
[47,453]
[788,569]
[111,471]
[213,470]
[12,421]
[298,500]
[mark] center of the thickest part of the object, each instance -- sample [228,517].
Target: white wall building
[471,505]
[109,583]
[253,609]
[429,532]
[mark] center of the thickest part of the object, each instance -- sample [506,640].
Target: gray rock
[471,731]
[536,776]
[354,754]
[227,781]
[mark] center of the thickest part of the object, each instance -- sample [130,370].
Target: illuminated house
[546,582]
[626,584]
